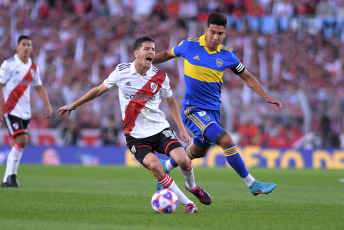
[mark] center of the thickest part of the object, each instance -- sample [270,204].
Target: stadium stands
[294,46]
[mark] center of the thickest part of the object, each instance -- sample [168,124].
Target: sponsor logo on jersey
[154,86]
[128,83]
[15,126]
[219,62]
[140,97]
[196,57]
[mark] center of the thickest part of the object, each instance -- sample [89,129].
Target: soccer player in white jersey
[16,76]
[145,127]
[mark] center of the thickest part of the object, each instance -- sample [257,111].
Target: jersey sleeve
[166,90]
[4,72]
[36,78]
[236,66]
[181,49]
[112,79]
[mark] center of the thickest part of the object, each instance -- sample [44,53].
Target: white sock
[189,176]
[168,183]
[181,196]
[13,160]
[248,180]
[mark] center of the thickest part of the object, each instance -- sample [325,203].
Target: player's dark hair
[217,19]
[22,37]
[139,41]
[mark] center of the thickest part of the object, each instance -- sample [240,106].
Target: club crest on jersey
[133,149]
[15,126]
[207,118]
[154,86]
[219,62]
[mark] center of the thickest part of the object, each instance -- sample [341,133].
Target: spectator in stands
[109,133]
[71,134]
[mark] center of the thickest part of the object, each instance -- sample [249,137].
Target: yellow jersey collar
[202,43]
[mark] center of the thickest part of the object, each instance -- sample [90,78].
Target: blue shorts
[198,120]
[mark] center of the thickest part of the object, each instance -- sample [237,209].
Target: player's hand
[66,108]
[274,101]
[48,112]
[185,137]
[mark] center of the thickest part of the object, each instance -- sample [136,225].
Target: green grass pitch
[114,197]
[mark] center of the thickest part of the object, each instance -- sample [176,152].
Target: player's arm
[163,56]
[44,97]
[172,106]
[254,85]
[5,74]
[90,95]
[1,115]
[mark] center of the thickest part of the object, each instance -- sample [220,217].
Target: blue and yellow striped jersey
[203,71]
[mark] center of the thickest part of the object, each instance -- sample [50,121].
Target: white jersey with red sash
[140,97]
[16,78]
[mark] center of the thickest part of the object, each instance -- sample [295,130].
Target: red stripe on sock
[166,182]
[187,169]
[18,147]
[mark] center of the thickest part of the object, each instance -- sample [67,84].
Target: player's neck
[142,70]
[24,59]
[210,49]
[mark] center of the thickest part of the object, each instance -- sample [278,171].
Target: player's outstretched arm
[44,97]
[253,83]
[90,95]
[172,106]
[163,56]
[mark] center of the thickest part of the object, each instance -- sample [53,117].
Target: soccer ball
[164,201]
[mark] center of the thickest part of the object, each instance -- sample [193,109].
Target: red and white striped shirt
[16,77]
[140,97]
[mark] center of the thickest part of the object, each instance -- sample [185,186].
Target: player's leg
[216,133]
[152,162]
[19,139]
[179,156]
[143,151]
[196,120]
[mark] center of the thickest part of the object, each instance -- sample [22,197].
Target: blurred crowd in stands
[291,46]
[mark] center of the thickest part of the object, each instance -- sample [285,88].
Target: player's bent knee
[22,140]
[225,141]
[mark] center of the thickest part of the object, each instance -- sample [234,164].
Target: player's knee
[183,161]
[199,153]
[225,140]
[22,140]
[156,167]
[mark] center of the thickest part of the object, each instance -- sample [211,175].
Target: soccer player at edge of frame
[205,60]
[16,76]
[141,86]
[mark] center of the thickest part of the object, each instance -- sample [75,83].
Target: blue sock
[234,159]
[173,163]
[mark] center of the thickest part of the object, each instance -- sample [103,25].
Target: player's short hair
[139,41]
[217,19]
[22,37]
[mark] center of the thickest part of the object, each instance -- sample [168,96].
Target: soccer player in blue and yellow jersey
[205,60]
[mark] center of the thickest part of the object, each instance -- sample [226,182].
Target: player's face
[145,55]
[214,36]
[24,48]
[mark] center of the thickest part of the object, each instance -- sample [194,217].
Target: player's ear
[136,53]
